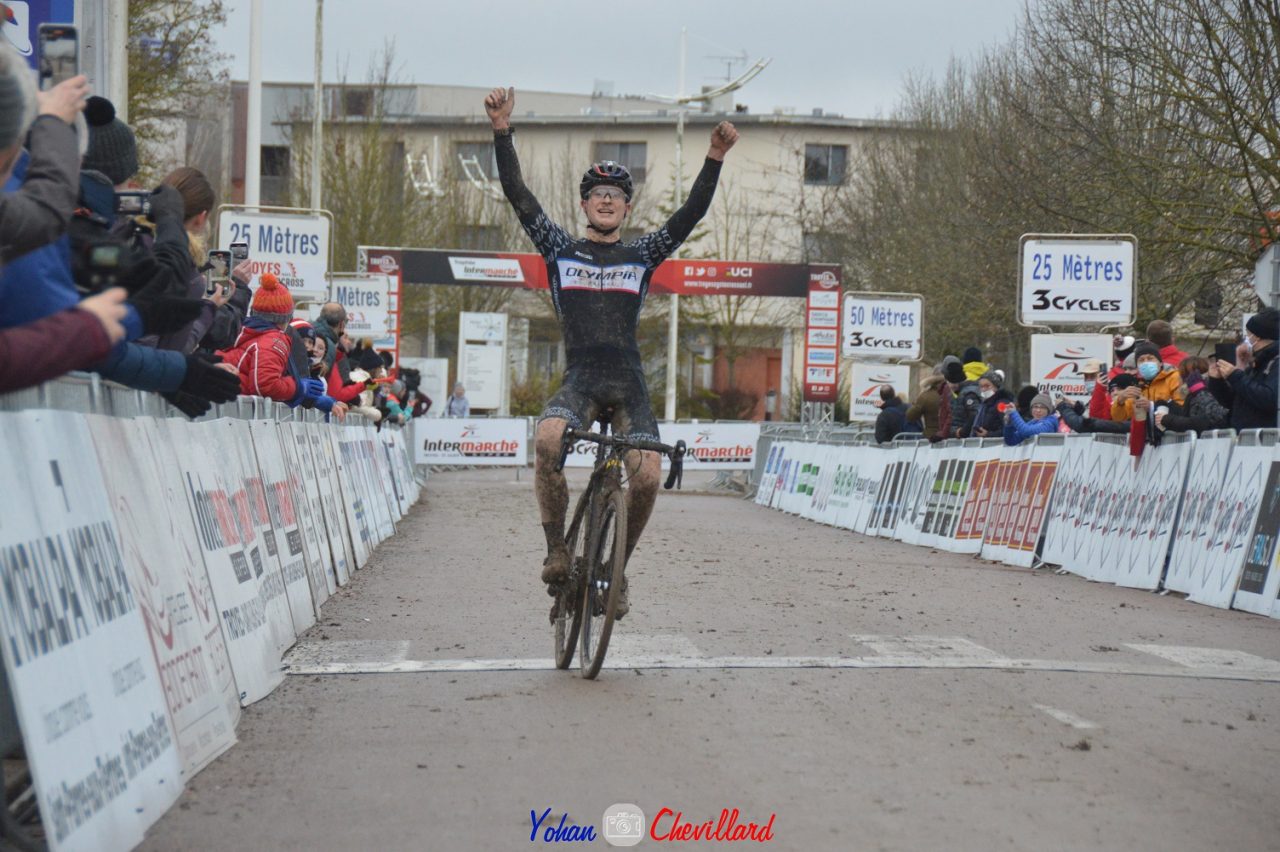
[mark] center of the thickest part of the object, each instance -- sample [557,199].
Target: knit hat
[272,301]
[305,329]
[994,377]
[1124,345]
[1265,324]
[112,147]
[1145,347]
[1041,399]
[971,354]
[953,373]
[1130,362]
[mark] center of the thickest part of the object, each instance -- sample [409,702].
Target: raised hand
[722,139]
[498,104]
[65,99]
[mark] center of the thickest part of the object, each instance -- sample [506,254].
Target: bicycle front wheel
[568,621]
[607,548]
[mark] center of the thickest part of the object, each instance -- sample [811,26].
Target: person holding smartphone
[39,212]
[1249,386]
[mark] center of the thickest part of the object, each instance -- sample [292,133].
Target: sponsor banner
[825,337]
[883,327]
[1073,489]
[386,262]
[1154,512]
[168,579]
[22,23]
[529,271]
[367,298]
[337,526]
[714,446]
[248,587]
[915,491]
[864,387]
[297,445]
[888,502]
[102,753]
[1065,279]
[490,269]
[977,501]
[1260,576]
[282,489]
[822,315]
[489,442]
[292,246]
[1200,499]
[1237,505]
[1056,361]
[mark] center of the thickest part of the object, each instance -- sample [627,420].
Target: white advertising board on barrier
[335,515]
[1073,485]
[893,485]
[499,442]
[882,326]
[1208,468]
[292,246]
[1057,359]
[1074,279]
[915,492]
[977,499]
[297,450]
[102,753]
[864,387]
[169,582]
[1148,529]
[1239,500]
[1260,575]
[1111,491]
[247,588]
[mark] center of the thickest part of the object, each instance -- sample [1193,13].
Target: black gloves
[188,404]
[205,380]
[166,205]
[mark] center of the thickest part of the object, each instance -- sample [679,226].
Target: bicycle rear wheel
[607,544]
[568,621]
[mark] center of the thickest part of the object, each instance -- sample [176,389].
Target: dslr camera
[101,266]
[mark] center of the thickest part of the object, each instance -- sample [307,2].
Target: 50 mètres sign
[882,327]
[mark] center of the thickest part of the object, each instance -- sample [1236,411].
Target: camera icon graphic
[622,825]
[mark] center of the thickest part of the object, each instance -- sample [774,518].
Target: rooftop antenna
[739,58]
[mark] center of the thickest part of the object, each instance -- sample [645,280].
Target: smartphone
[1224,352]
[59,54]
[219,274]
[239,254]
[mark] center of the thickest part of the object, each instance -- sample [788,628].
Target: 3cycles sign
[882,326]
[1087,279]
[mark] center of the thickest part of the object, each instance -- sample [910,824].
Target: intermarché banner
[711,446]
[479,441]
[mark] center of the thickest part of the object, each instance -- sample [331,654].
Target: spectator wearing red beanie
[261,352]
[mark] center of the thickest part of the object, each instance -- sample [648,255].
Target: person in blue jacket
[1017,430]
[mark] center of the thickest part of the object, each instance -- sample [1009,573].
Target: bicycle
[600,525]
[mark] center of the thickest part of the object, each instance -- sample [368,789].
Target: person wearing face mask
[1249,386]
[1099,395]
[987,420]
[1157,382]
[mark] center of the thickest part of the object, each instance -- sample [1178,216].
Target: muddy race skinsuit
[597,289]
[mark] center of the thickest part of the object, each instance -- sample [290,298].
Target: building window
[480,237]
[633,155]
[484,155]
[274,188]
[825,164]
[357,102]
[819,247]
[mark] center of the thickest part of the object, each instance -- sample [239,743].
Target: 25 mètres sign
[883,327]
[1077,279]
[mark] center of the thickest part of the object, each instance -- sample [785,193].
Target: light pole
[682,100]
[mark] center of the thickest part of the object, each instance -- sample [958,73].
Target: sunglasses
[607,193]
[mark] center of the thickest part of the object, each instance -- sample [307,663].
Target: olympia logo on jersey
[582,276]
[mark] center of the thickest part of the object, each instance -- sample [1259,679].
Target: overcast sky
[844,56]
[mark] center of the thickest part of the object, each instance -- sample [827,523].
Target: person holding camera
[1250,385]
[1157,382]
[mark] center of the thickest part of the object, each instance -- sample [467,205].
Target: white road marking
[1211,658]
[940,648]
[1066,718]
[348,651]
[661,646]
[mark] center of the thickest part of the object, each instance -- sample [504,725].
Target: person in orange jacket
[1157,382]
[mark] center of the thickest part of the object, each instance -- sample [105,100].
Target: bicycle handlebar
[676,454]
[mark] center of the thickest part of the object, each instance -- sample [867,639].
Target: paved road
[865,694]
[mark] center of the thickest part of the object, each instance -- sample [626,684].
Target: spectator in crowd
[1023,400]
[223,311]
[1122,346]
[37,213]
[367,370]
[421,403]
[925,410]
[393,409]
[332,325]
[988,421]
[261,354]
[1202,412]
[964,399]
[892,417]
[974,367]
[1160,333]
[1099,395]
[1017,429]
[68,340]
[945,396]
[40,283]
[458,406]
[1249,386]
[1157,383]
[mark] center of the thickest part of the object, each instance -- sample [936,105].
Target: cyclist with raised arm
[598,284]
